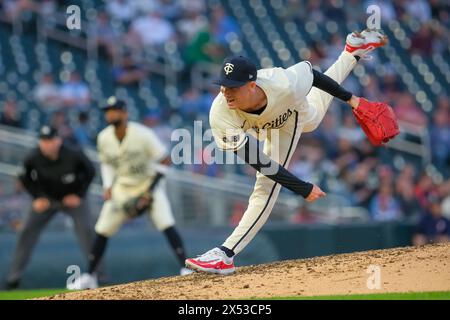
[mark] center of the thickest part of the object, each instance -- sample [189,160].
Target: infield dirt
[407,269]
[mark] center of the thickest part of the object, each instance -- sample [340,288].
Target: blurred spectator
[121,9]
[223,25]
[355,13]
[361,184]
[47,7]
[203,48]
[170,9]
[433,227]
[385,174]
[367,152]
[208,97]
[309,163]
[10,115]
[404,191]
[422,41]
[327,134]
[350,130]
[144,7]
[423,189]
[162,129]
[292,10]
[191,104]
[441,38]
[59,121]
[347,156]
[300,165]
[372,89]
[191,23]
[314,11]
[14,8]
[407,110]
[106,37]
[129,72]
[11,207]
[47,95]
[418,9]
[193,5]
[440,140]
[409,173]
[440,10]
[318,54]
[333,9]
[384,206]
[333,49]
[75,93]
[82,133]
[150,30]
[443,103]
[390,84]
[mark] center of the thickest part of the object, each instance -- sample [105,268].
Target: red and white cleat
[213,261]
[360,44]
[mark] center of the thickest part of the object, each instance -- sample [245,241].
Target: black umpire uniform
[69,173]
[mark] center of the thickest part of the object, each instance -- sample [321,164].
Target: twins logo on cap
[228,68]
[236,72]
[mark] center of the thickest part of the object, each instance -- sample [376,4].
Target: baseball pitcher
[282,103]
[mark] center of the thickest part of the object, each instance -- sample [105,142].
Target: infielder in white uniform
[277,105]
[128,153]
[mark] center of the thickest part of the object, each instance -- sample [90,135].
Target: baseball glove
[138,205]
[378,121]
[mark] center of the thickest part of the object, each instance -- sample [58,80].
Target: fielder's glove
[139,205]
[378,121]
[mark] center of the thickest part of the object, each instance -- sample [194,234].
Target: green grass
[377,296]
[28,294]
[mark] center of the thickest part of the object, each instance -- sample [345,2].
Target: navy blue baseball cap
[114,103]
[236,72]
[47,132]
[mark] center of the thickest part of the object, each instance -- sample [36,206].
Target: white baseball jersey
[286,91]
[130,159]
[292,107]
[127,169]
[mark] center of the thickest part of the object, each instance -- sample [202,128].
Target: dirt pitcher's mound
[409,269]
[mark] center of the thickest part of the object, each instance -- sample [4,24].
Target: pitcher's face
[240,97]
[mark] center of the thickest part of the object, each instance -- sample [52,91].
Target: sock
[228,252]
[98,249]
[177,245]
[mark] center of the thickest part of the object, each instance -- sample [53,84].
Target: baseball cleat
[213,261]
[85,281]
[360,44]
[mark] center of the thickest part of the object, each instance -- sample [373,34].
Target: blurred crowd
[337,155]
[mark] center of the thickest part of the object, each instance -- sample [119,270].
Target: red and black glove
[378,121]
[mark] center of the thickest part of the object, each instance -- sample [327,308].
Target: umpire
[57,178]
